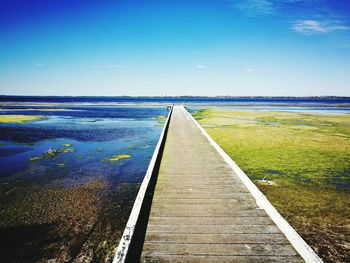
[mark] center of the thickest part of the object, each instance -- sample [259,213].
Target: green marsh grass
[306,156]
[19,118]
[119,157]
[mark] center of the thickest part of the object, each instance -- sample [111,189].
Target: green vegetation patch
[119,157]
[66,150]
[19,118]
[159,118]
[66,145]
[300,161]
[48,154]
[37,158]
[51,153]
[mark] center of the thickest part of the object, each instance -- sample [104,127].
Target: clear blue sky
[182,47]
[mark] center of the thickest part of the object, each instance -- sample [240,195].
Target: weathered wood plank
[213,229]
[271,249]
[202,191]
[207,206]
[201,179]
[206,212]
[217,201]
[208,195]
[217,238]
[239,220]
[157,258]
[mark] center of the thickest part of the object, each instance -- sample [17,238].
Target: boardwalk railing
[130,245]
[305,251]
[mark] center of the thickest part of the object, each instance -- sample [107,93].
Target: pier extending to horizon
[196,205]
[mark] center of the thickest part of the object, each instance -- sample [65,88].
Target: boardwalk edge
[305,251]
[121,252]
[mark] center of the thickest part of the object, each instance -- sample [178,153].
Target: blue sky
[160,47]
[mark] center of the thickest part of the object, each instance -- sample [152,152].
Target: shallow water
[94,135]
[84,139]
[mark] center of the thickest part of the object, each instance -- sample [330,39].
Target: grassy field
[301,162]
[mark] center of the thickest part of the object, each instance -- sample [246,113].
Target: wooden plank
[218,238]
[217,201]
[213,229]
[213,191]
[157,258]
[208,195]
[207,206]
[206,212]
[271,249]
[201,179]
[239,220]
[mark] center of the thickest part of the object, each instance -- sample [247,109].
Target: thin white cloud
[39,64]
[201,66]
[254,7]
[308,27]
[248,70]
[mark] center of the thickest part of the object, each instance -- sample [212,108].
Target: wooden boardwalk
[201,210]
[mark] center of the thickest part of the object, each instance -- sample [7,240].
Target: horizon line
[178,96]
